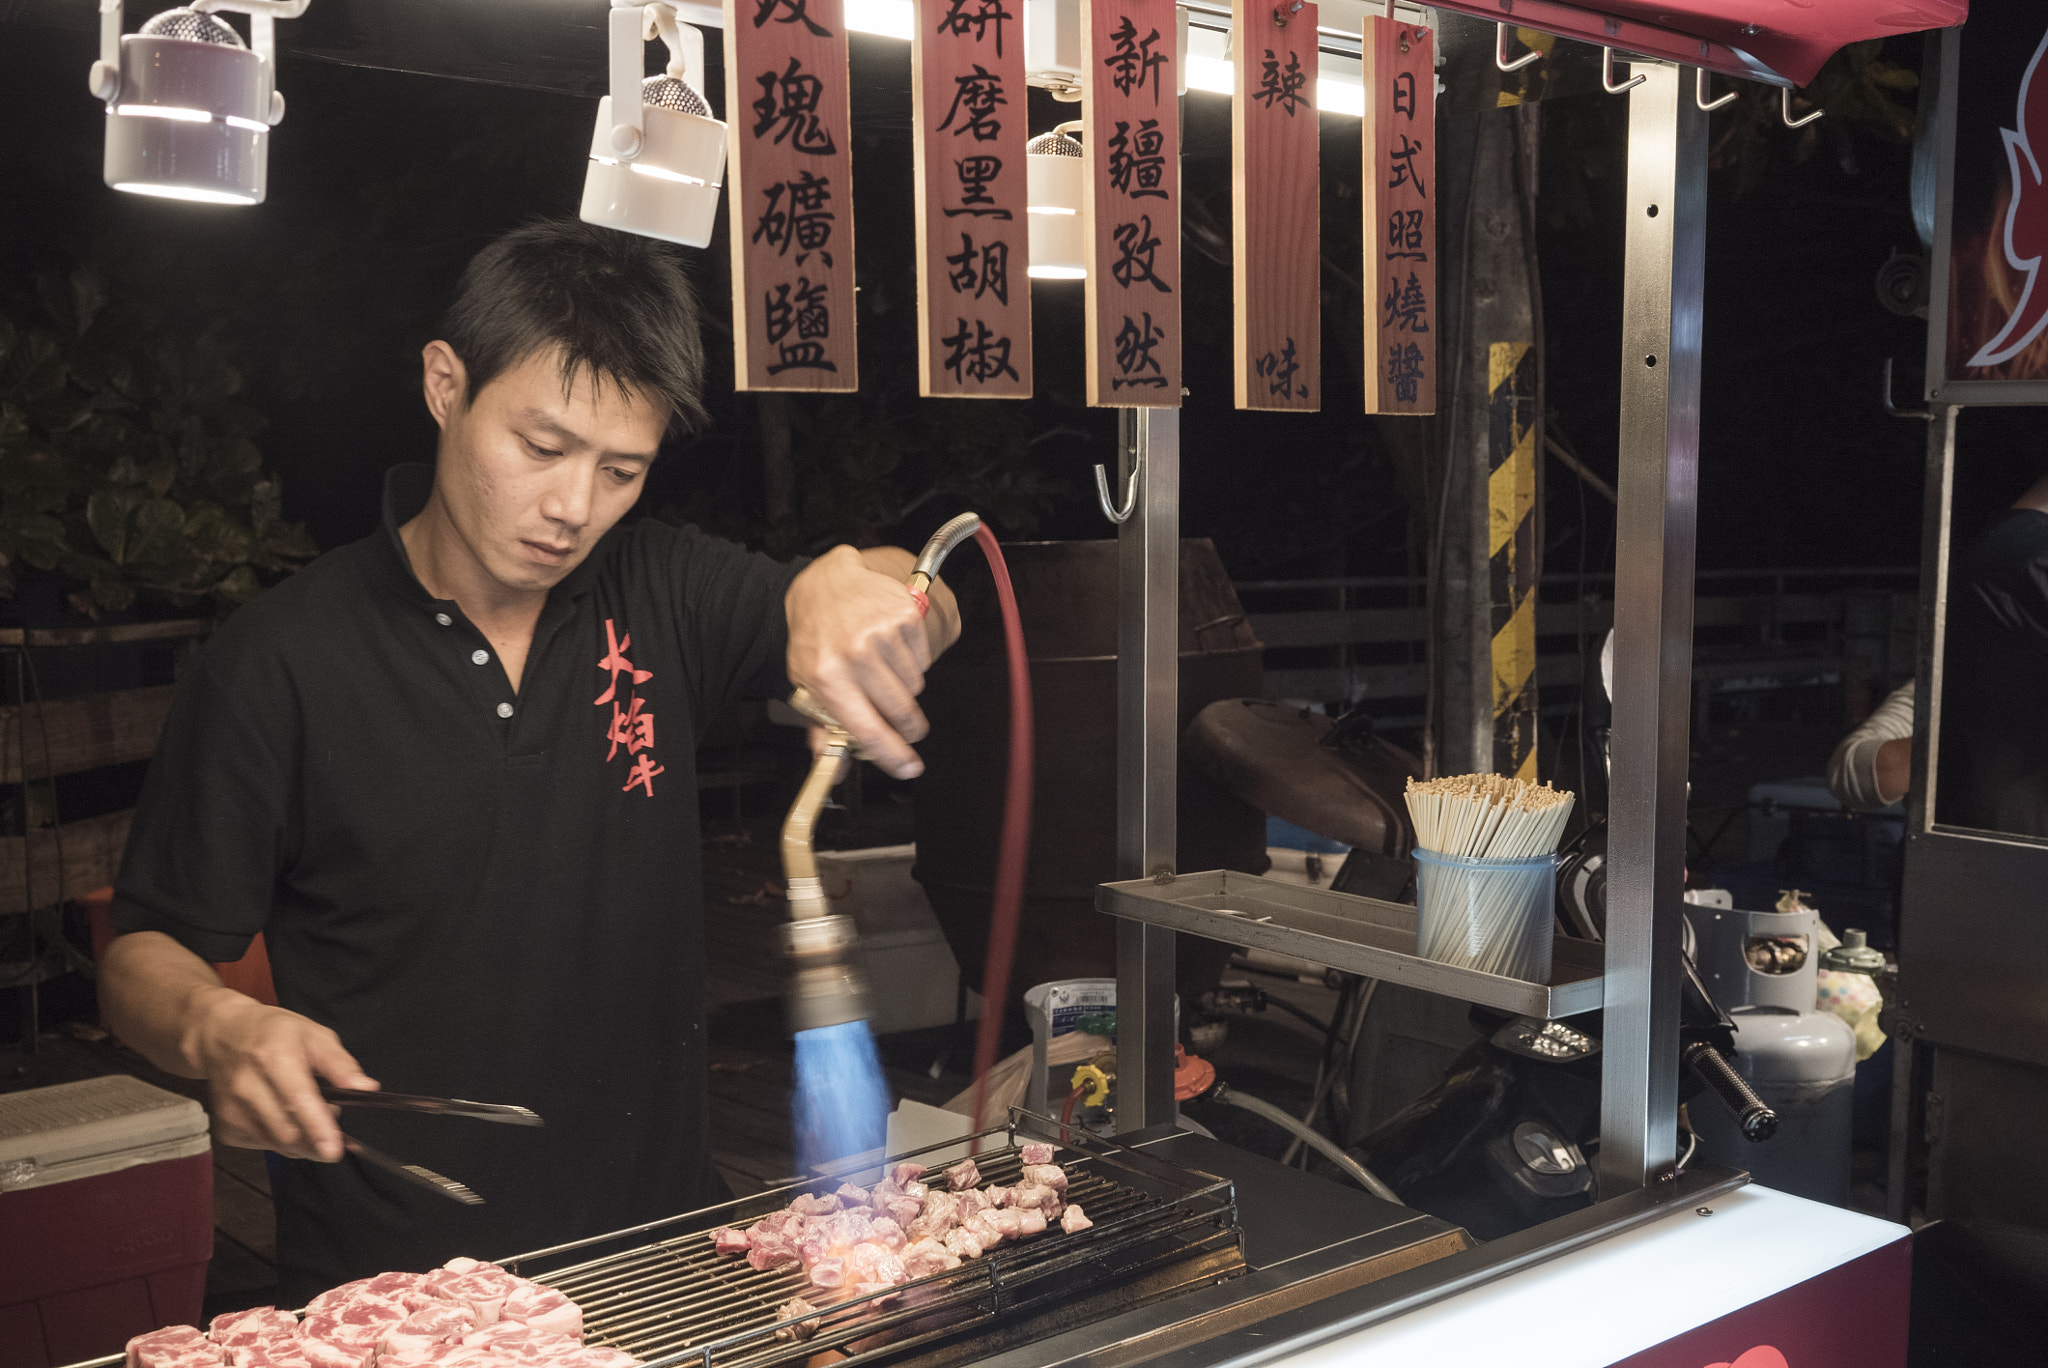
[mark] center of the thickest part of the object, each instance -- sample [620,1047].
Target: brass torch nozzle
[826,987]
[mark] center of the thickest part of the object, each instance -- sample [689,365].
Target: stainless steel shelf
[1344,931]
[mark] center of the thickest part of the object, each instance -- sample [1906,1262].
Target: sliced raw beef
[177,1346]
[1072,1221]
[1036,1154]
[963,1175]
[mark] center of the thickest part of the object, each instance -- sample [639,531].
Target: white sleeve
[1852,772]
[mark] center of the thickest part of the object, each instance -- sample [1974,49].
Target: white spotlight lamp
[1053,186]
[189,105]
[657,157]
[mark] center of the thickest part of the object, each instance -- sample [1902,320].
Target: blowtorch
[841,1102]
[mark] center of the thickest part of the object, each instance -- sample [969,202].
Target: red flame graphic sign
[2026,220]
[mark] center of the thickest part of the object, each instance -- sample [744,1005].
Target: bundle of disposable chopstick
[1487,816]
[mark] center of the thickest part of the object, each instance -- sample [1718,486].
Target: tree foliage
[128,457]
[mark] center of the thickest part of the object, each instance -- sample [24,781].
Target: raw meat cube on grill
[916,1190]
[1030,1221]
[941,1213]
[544,1309]
[178,1346]
[1072,1221]
[964,1242]
[799,1317]
[1036,1154]
[904,1210]
[885,1232]
[810,1204]
[963,1176]
[995,1195]
[828,1273]
[1050,1175]
[973,1200]
[772,1254]
[926,1257]
[726,1240]
[1008,1222]
[853,1196]
[1036,1197]
[907,1173]
[867,1263]
[238,1328]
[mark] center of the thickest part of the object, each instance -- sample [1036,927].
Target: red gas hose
[1015,848]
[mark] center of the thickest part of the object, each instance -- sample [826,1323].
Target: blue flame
[841,1104]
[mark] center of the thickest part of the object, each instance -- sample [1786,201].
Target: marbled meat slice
[321,1352]
[176,1346]
[415,1339]
[1036,1154]
[1073,1221]
[282,1351]
[963,1175]
[544,1309]
[485,1288]
[237,1329]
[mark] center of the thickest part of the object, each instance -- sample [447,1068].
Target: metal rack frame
[1664,279]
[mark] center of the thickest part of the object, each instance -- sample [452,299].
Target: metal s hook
[1109,509]
[1500,52]
[1925,415]
[1785,109]
[1607,74]
[1702,82]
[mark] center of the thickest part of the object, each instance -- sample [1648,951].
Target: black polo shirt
[486,895]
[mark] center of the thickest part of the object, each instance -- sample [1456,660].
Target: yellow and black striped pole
[1511,532]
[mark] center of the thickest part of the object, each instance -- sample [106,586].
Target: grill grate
[676,1300]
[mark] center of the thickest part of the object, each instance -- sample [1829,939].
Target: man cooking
[448,772]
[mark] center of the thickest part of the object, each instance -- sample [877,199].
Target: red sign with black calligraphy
[1275,172]
[1132,148]
[789,194]
[1400,217]
[968,105]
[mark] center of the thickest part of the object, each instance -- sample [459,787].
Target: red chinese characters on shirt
[632,724]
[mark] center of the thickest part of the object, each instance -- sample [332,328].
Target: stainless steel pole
[1147,751]
[1664,276]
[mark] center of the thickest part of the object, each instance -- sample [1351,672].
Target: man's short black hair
[615,304]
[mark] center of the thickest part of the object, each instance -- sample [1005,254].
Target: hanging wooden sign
[789,195]
[968,107]
[1400,217]
[1275,173]
[1132,147]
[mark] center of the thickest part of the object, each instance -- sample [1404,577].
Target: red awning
[1781,41]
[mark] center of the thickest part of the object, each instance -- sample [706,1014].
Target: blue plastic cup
[1496,916]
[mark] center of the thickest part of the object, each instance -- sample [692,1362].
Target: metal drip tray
[1344,931]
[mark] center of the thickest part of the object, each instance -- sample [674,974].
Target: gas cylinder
[1760,968]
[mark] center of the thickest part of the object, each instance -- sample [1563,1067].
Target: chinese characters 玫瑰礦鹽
[799,13]
[976,95]
[1282,86]
[1136,246]
[1131,60]
[1137,162]
[980,356]
[979,270]
[809,316]
[791,101]
[798,215]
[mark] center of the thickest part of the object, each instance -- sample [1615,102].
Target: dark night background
[382,184]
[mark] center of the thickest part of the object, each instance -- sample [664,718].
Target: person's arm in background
[1873,765]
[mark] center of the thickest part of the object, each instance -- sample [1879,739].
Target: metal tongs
[428,1106]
